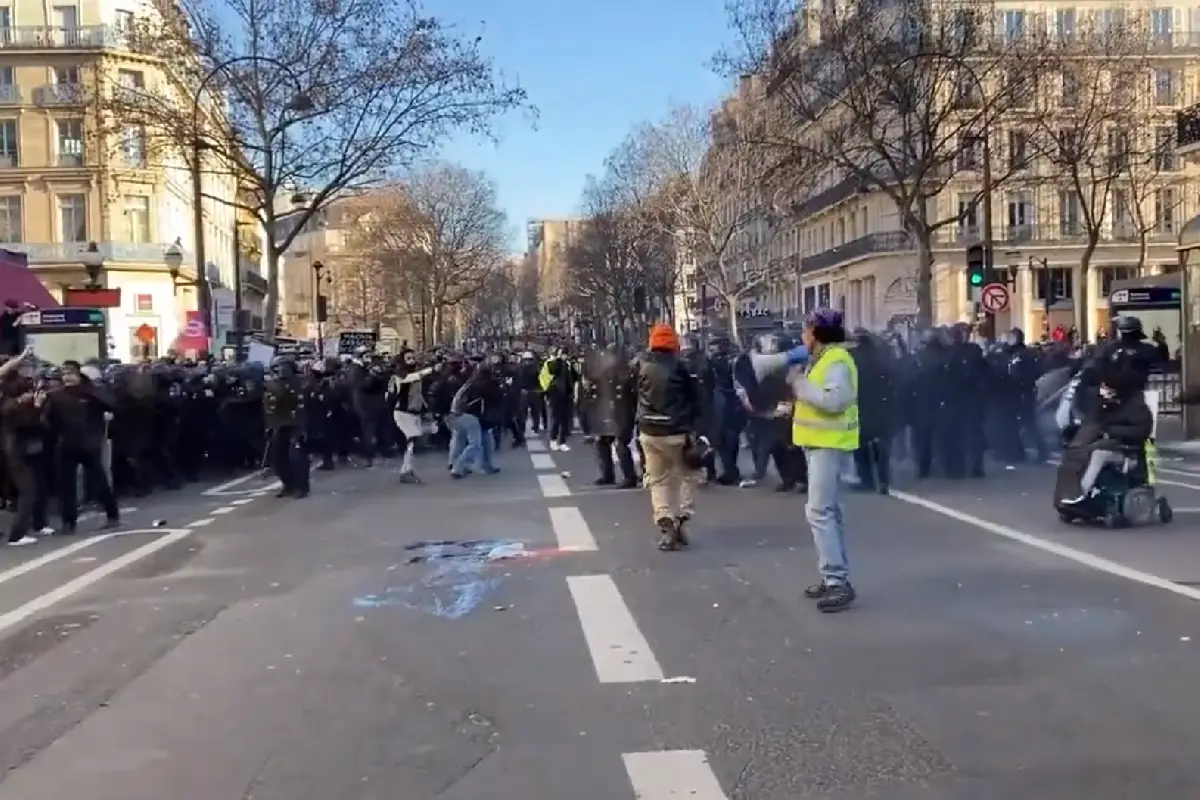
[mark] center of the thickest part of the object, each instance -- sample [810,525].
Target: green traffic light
[976,279]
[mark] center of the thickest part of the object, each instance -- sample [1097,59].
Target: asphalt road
[517,636]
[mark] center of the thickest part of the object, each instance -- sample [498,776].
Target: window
[143,303]
[1014,25]
[1110,274]
[124,20]
[966,91]
[1165,159]
[1070,214]
[1124,88]
[968,216]
[810,298]
[1166,84]
[964,26]
[1071,89]
[10,148]
[1118,150]
[1064,24]
[131,79]
[6,26]
[133,145]
[1018,150]
[70,143]
[65,75]
[1019,87]
[139,350]
[970,151]
[823,296]
[1056,283]
[1162,25]
[7,77]
[1124,224]
[10,219]
[1110,20]
[72,218]
[137,219]
[1166,204]
[1068,146]
[1020,216]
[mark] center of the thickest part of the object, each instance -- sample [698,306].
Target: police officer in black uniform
[284,407]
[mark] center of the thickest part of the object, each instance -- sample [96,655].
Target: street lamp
[174,258]
[93,263]
[300,103]
[318,269]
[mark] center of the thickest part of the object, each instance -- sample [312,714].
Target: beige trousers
[672,485]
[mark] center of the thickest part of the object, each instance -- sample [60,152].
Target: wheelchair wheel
[1140,506]
[1165,512]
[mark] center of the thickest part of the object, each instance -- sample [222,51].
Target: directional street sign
[994,298]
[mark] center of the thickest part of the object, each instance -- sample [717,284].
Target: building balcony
[1063,234]
[255,282]
[10,94]
[59,94]
[1187,132]
[56,253]
[871,244]
[45,37]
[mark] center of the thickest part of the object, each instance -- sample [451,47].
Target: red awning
[17,282]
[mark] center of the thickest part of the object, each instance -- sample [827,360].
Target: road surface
[517,636]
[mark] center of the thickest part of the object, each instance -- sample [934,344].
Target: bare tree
[494,309]
[303,95]
[1149,199]
[899,98]
[444,229]
[712,195]
[363,291]
[1090,136]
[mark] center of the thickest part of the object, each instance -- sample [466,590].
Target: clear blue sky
[594,70]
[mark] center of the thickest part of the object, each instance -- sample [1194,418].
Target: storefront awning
[1189,237]
[19,284]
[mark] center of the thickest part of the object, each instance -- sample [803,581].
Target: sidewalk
[1170,439]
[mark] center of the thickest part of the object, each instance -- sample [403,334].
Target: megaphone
[764,377]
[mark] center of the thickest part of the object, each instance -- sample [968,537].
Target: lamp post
[318,269]
[300,103]
[93,264]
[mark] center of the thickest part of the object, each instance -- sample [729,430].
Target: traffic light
[976,266]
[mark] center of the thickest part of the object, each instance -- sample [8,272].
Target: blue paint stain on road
[454,582]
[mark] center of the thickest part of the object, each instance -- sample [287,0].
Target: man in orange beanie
[663,338]
[669,415]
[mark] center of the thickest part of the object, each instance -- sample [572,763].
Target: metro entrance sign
[994,298]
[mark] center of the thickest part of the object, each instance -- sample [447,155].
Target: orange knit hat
[663,337]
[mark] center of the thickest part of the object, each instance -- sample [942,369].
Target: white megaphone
[764,377]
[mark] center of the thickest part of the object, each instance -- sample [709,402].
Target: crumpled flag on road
[455,583]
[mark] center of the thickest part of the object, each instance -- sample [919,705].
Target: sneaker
[837,598]
[45,530]
[681,537]
[747,483]
[667,534]
[553,445]
[564,448]
[24,540]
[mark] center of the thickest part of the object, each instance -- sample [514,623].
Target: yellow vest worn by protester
[812,427]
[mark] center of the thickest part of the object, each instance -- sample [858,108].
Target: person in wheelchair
[1113,429]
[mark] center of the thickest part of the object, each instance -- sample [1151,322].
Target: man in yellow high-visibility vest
[825,424]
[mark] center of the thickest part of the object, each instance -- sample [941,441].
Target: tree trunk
[918,229]
[271,308]
[1082,295]
[1143,252]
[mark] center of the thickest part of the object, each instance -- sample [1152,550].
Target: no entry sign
[994,298]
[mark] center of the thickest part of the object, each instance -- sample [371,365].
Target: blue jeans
[824,513]
[468,445]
